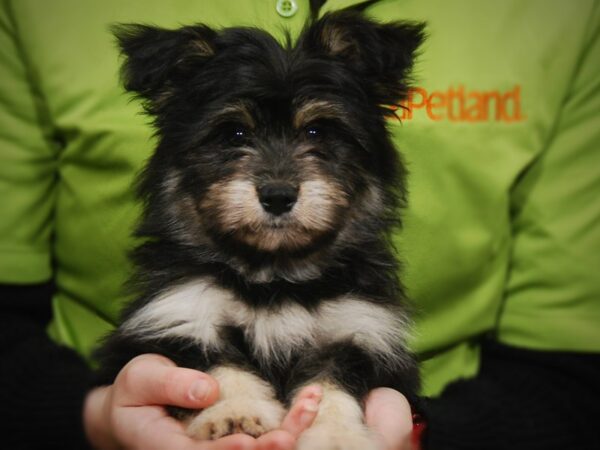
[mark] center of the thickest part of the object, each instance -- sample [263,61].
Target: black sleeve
[42,385]
[520,400]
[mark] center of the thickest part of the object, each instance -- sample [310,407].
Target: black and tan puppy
[269,201]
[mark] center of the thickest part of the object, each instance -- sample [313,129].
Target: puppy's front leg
[247,404]
[339,424]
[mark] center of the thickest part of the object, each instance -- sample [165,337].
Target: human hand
[388,414]
[129,414]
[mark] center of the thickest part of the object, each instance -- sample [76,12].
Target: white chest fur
[198,309]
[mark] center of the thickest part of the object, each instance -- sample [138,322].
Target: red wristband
[419,426]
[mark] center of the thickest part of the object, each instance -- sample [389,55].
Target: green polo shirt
[501,136]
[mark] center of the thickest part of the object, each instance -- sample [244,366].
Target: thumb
[155,380]
[388,413]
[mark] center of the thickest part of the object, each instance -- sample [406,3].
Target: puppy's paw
[337,437]
[236,415]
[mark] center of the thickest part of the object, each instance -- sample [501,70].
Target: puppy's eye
[314,132]
[237,134]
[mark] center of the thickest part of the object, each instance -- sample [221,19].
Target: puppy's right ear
[157,58]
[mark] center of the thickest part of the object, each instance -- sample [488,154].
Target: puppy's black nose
[277,198]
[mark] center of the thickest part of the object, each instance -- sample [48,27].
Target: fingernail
[308,413]
[200,390]
[318,394]
[311,406]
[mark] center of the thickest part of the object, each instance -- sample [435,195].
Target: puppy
[268,206]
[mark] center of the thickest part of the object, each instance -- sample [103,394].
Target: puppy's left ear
[381,53]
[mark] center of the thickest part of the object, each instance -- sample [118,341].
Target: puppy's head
[270,148]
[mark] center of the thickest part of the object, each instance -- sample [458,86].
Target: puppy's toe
[236,416]
[219,427]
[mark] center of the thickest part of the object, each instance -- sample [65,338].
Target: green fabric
[27,167]
[553,288]
[502,234]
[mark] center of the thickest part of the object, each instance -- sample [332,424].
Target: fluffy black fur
[353,70]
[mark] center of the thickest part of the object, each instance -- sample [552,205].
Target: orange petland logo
[458,104]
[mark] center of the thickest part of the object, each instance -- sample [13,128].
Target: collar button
[286,8]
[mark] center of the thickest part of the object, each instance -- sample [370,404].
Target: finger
[149,428]
[300,417]
[303,410]
[276,440]
[314,391]
[388,413]
[155,380]
[232,442]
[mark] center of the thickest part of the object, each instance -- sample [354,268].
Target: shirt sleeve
[521,399]
[43,384]
[27,165]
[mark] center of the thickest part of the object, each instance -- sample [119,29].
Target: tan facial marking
[318,203]
[235,205]
[317,109]
[240,111]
